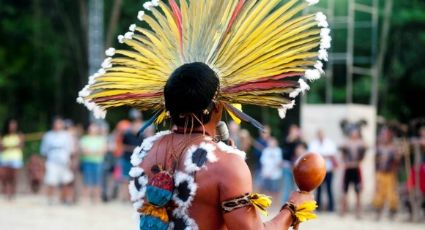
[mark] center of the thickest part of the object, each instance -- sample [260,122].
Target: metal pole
[374,71]
[374,30]
[95,37]
[350,50]
[382,51]
[330,64]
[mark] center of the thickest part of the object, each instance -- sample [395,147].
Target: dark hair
[55,118]
[6,124]
[190,90]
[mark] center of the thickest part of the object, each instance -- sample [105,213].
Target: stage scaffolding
[378,13]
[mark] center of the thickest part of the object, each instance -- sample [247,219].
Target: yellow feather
[261,202]
[162,116]
[162,33]
[305,211]
[265,40]
[232,115]
[170,20]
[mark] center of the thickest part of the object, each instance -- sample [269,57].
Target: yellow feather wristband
[305,211]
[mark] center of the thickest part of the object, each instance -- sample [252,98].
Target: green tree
[43,61]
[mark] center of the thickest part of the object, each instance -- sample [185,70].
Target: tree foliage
[43,60]
[403,83]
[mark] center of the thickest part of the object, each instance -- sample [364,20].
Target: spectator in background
[149,131]
[11,156]
[108,166]
[57,148]
[259,145]
[35,172]
[353,152]
[75,132]
[292,141]
[131,140]
[271,172]
[93,147]
[245,140]
[118,150]
[2,177]
[421,142]
[234,131]
[386,164]
[327,148]
[300,150]
[416,178]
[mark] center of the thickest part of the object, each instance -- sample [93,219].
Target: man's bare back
[204,209]
[225,178]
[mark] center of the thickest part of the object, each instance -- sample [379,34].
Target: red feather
[264,83]
[261,86]
[127,96]
[235,14]
[178,17]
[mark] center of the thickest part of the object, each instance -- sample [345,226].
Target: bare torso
[224,176]
[205,209]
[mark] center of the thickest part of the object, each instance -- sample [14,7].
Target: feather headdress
[263,52]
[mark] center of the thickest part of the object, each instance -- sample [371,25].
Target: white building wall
[328,118]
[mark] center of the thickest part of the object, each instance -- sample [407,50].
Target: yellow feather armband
[259,201]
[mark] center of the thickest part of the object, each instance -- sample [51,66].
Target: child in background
[93,148]
[271,162]
[35,172]
[258,146]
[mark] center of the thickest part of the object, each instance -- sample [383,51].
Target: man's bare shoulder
[232,172]
[229,150]
[228,156]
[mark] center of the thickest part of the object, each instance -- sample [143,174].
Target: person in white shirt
[271,162]
[328,149]
[57,147]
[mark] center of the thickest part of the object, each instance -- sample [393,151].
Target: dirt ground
[33,212]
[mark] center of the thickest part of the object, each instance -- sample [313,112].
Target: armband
[260,201]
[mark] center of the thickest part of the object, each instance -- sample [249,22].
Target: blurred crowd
[399,165]
[91,164]
[76,163]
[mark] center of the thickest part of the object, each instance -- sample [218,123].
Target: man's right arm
[236,182]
